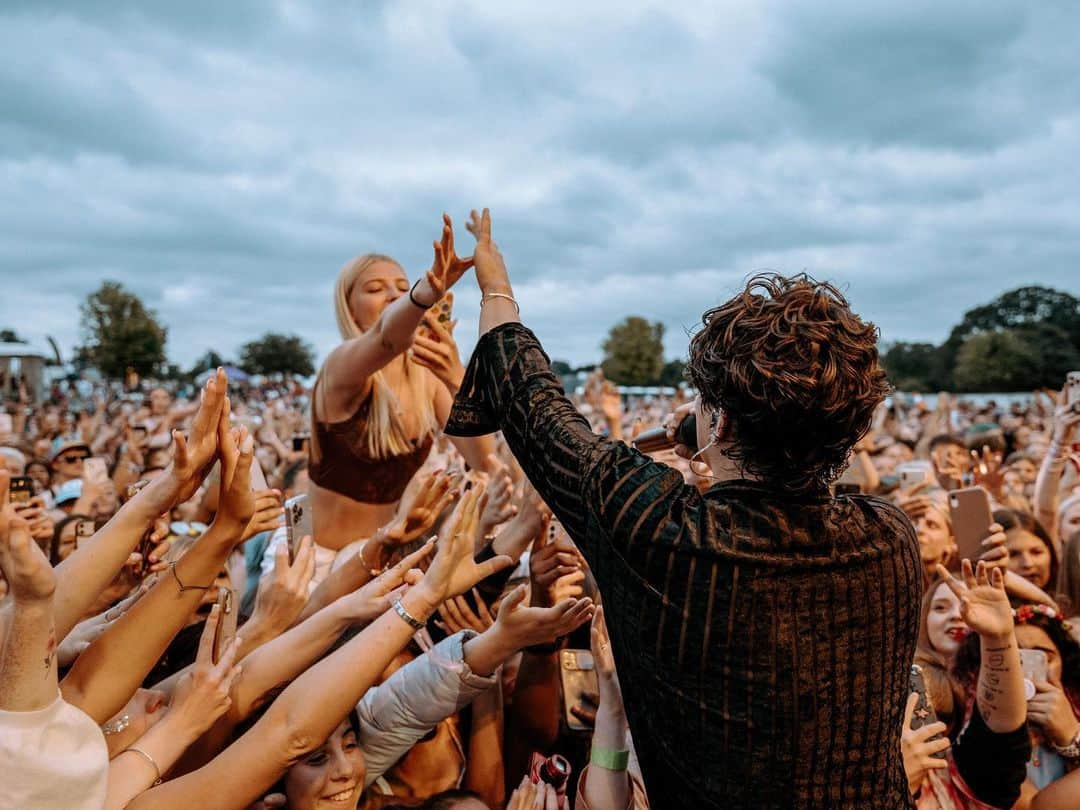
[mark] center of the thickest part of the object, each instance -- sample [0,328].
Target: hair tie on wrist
[413,297]
[184,587]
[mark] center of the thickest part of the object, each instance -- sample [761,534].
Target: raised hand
[525,626]
[454,571]
[415,516]
[283,592]
[371,601]
[439,353]
[548,564]
[458,615]
[1051,711]
[195,453]
[987,471]
[984,604]
[237,502]
[26,570]
[500,505]
[202,696]
[491,272]
[268,512]
[446,269]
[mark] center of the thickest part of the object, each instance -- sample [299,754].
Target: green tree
[634,352]
[1057,354]
[1022,307]
[210,359]
[911,366]
[9,336]
[561,367]
[120,333]
[673,373]
[275,353]
[996,361]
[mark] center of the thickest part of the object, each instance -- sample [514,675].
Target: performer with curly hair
[763,630]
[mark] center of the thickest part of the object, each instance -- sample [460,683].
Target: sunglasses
[75,459]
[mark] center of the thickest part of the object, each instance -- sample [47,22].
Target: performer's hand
[671,425]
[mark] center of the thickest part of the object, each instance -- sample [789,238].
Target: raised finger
[228,657]
[958,588]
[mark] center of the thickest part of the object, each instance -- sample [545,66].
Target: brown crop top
[347,469]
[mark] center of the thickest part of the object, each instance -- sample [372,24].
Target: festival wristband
[609,759]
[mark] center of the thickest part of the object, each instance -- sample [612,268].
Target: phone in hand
[971,519]
[95,470]
[577,673]
[297,523]
[914,473]
[227,619]
[84,530]
[21,489]
[6,423]
[924,713]
[1072,388]
[1034,665]
[299,442]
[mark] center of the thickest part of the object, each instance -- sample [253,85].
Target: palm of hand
[986,610]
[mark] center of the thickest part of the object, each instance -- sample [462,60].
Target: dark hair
[796,374]
[58,530]
[1013,520]
[1069,584]
[447,800]
[946,439]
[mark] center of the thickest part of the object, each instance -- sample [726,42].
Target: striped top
[763,640]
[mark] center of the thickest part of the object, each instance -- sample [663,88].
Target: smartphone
[924,713]
[84,530]
[1072,388]
[1034,665]
[95,470]
[21,489]
[914,473]
[578,675]
[444,309]
[6,424]
[299,442]
[226,629]
[297,523]
[971,518]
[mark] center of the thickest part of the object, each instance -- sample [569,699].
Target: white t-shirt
[53,757]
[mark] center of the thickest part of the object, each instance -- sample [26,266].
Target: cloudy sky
[223,160]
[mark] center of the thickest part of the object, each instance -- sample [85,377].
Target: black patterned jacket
[763,640]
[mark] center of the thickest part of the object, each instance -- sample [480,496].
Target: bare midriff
[338,520]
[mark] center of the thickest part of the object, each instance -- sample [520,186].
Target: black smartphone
[924,713]
[21,489]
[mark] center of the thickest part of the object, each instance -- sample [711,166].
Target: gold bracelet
[487,296]
[148,758]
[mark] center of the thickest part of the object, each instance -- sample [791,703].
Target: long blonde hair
[386,435]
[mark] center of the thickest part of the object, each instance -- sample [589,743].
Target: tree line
[1024,339]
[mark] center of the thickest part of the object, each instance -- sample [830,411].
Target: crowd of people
[169,639]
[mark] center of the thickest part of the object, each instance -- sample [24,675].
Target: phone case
[21,489]
[924,713]
[1072,387]
[226,628]
[578,675]
[971,518]
[96,469]
[1034,665]
[297,523]
[258,479]
[84,529]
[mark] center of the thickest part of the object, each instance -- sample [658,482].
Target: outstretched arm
[94,564]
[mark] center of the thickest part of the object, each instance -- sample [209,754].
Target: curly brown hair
[795,372]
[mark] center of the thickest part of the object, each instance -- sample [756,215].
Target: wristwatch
[1070,751]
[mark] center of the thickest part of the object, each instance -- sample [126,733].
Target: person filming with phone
[763,629]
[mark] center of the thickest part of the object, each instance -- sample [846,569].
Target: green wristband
[609,759]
